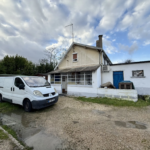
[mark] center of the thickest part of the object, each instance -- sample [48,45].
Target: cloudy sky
[28,27]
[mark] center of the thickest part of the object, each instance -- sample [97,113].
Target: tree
[55,54]
[2,68]
[128,61]
[20,65]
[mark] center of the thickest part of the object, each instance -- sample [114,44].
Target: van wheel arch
[27,105]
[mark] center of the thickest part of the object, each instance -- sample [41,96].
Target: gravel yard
[77,125]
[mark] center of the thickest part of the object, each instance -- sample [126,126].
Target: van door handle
[13,89]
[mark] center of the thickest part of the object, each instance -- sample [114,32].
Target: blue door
[117,77]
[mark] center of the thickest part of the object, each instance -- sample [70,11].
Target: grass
[13,133]
[115,102]
[3,136]
[6,107]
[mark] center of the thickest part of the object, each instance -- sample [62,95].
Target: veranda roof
[77,69]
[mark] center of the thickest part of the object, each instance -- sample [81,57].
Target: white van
[32,92]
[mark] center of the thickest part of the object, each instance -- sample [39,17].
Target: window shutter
[74,56]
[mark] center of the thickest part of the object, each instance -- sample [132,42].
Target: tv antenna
[72,31]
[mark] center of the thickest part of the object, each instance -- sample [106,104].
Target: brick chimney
[99,43]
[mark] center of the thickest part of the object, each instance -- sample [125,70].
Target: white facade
[141,84]
[94,90]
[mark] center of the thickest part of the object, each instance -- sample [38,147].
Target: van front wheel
[27,106]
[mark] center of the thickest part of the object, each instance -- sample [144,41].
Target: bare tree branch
[128,61]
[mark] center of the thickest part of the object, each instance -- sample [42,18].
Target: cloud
[146,43]
[28,27]
[137,21]
[109,48]
[129,49]
[18,45]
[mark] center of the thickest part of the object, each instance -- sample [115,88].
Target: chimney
[99,43]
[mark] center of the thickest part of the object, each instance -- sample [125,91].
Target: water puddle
[131,124]
[24,125]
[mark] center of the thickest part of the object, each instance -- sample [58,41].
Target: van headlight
[55,90]
[37,93]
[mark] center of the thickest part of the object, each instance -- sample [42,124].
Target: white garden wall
[142,84]
[118,93]
[100,92]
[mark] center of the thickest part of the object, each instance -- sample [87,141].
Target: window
[88,78]
[80,78]
[74,78]
[138,73]
[35,81]
[18,81]
[56,79]
[75,57]
[71,78]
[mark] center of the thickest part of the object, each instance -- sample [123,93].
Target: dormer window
[74,57]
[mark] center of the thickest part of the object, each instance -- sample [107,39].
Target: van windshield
[36,81]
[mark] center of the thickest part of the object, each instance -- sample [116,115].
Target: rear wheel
[27,106]
[1,98]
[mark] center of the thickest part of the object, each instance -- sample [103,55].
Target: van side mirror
[21,86]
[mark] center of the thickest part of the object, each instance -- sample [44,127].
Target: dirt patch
[71,124]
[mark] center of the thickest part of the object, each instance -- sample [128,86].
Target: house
[84,68]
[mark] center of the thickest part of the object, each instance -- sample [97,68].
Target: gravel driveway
[77,125]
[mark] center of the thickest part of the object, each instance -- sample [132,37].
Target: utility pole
[72,31]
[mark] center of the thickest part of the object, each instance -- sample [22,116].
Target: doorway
[64,84]
[117,77]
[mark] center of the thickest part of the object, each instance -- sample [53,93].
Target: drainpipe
[101,65]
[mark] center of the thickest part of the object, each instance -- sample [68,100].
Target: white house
[84,68]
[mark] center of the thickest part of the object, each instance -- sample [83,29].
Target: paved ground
[76,125]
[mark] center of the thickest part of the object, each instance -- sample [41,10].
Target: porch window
[74,57]
[78,78]
[56,79]
[88,78]
[71,78]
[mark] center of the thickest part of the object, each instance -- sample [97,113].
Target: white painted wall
[142,85]
[118,93]
[96,78]
[99,92]
[49,78]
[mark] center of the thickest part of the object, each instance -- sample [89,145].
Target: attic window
[74,57]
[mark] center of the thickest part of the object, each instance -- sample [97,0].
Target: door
[117,77]
[7,89]
[64,84]
[18,94]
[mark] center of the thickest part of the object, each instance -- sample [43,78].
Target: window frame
[138,76]
[75,78]
[15,82]
[76,58]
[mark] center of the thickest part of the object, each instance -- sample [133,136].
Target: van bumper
[44,103]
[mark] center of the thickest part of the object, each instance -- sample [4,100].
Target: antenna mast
[72,31]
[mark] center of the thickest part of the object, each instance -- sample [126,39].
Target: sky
[29,27]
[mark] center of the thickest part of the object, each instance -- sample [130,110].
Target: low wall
[130,95]
[118,93]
